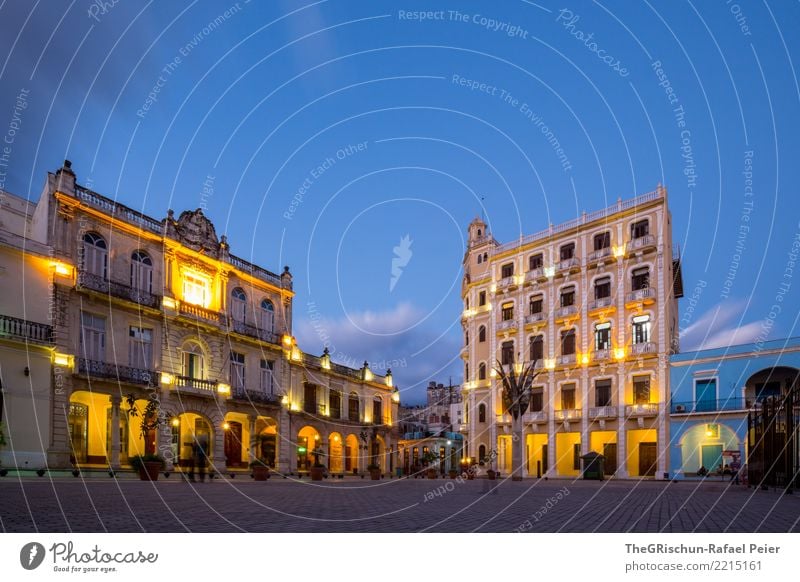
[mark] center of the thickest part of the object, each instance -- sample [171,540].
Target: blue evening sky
[269,102]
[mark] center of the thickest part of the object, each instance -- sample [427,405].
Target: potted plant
[452,473]
[374,472]
[491,474]
[429,459]
[148,466]
[317,471]
[260,470]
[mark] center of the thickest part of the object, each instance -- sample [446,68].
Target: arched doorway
[336,456]
[266,447]
[308,447]
[188,430]
[351,453]
[710,446]
[377,454]
[770,383]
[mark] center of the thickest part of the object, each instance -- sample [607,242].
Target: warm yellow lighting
[493,288]
[518,367]
[176,422]
[709,433]
[168,303]
[223,388]
[550,363]
[519,279]
[287,340]
[619,251]
[549,272]
[285,400]
[336,438]
[167,378]
[225,426]
[585,359]
[297,355]
[326,363]
[396,397]
[619,353]
[389,380]
[294,407]
[62,269]
[368,376]
[469,312]
[64,360]
[316,437]
[493,373]
[196,289]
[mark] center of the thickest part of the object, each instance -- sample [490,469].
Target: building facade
[715,392]
[593,302]
[147,335]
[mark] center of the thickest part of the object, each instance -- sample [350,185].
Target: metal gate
[772,437]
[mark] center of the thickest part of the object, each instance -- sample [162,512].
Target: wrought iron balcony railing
[703,406]
[566,264]
[253,331]
[603,412]
[646,294]
[255,396]
[111,371]
[642,242]
[22,329]
[87,280]
[196,383]
[646,409]
[535,317]
[599,254]
[568,414]
[644,348]
[601,303]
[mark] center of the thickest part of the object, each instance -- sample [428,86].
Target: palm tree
[516,398]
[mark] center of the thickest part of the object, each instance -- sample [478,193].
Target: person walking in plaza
[735,467]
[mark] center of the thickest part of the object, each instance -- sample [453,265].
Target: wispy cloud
[720,326]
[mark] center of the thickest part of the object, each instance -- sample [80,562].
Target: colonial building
[122,335]
[716,392]
[593,302]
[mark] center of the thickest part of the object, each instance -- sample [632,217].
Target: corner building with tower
[593,302]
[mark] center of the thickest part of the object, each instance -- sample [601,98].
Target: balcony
[201,313]
[313,407]
[507,325]
[601,355]
[253,331]
[598,412]
[536,274]
[644,348]
[535,417]
[642,243]
[644,296]
[600,255]
[569,265]
[566,312]
[21,329]
[255,396]
[646,409]
[110,371]
[98,284]
[463,427]
[507,283]
[602,304]
[568,414]
[535,318]
[567,360]
[197,385]
[706,406]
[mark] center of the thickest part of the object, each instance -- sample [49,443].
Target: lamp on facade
[619,251]
[285,400]
[167,378]
[226,426]
[168,303]
[395,395]
[63,360]
[62,269]
[366,372]
[325,360]
[619,353]
[223,388]
[390,380]
[175,422]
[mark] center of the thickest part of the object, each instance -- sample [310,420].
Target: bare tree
[516,399]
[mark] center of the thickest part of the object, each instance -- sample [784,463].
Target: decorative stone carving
[195,231]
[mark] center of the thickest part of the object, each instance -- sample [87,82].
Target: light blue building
[712,392]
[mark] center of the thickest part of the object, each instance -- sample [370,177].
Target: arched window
[193,361]
[353,408]
[481,453]
[466,338]
[377,410]
[485,257]
[482,333]
[95,255]
[238,304]
[141,271]
[479,232]
[482,413]
[482,371]
[267,315]
[480,259]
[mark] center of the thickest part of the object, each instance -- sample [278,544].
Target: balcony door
[705,395]
[93,337]
[648,454]
[610,453]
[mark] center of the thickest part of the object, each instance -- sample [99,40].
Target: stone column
[115,440]
[283,443]
[252,455]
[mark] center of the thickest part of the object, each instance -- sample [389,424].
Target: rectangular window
[705,395]
[568,397]
[640,279]
[507,353]
[568,342]
[602,393]
[568,297]
[93,336]
[141,348]
[602,241]
[335,403]
[310,398]
[353,412]
[602,288]
[237,370]
[196,290]
[267,368]
[507,270]
[535,305]
[602,336]
[507,311]
[536,261]
[537,348]
[641,389]
[567,251]
[377,412]
[640,228]
[641,329]
[482,298]
[537,400]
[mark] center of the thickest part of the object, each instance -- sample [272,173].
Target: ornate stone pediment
[195,231]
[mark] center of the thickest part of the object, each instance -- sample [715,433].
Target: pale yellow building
[594,302]
[116,304]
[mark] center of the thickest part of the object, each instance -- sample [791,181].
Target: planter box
[317,473]
[260,473]
[375,474]
[149,471]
